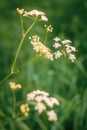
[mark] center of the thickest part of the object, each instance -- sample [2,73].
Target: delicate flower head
[44,18]
[40,48]
[73,48]
[42,101]
[24,108]
[57,54]
[72,57]
[52,115]
[20,11]
[48,28]
[64,49]
[40,107]
[15,86]
[66,41]
[56,39]
[57,45]
[54,101]
[36,14]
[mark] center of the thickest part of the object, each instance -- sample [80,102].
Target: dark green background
[63,79]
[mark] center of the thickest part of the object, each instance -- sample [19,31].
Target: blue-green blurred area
[65,80]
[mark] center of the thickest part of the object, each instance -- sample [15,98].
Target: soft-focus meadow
[63,79]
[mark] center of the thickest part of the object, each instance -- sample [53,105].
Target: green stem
[30,61]
[16,56]
[22,25]
[19,48]
[14,105]
[28,30]
[41,124]
[9,75]
[45,38]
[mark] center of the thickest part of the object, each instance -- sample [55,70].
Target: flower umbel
[20,11]
[43,102]
[40,48]
[15,86]
[64,49]
[48,28]
[52,116]
[33,14]
[24,108]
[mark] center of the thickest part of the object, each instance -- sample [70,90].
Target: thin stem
[22,25]
[28,30]
[14,105]
[41,123]
[16,56]
[9,75]
[19,48]
[45,38]
[33,59]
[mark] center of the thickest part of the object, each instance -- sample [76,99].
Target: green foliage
[66,81]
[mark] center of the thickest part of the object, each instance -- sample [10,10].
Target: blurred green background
[65,80]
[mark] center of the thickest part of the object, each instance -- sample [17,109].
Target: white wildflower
[66,41]
[57,45]
[68,49]
[54,101]
[48,102]
[30,96]
[57,54]
[42,101]
[38,92]
[57,39]
[73,48]
[36,14]
[39,98]
[40,107]
[72,57]
[52,116]
[44,18]
[65,49]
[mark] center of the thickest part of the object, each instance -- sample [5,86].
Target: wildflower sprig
[63,47]
[35,15]
[48,28]
[24,108]
[40,101]
[14,87]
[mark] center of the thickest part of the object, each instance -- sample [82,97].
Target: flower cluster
[52,115]
[35,14]
[24,108]
[40,48]
[43,103]
[64,48]
[15,86]
[48,28]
